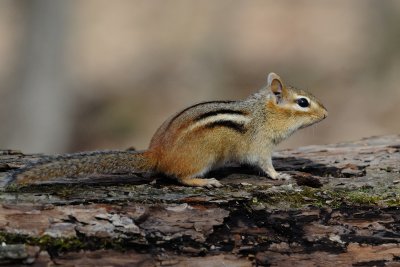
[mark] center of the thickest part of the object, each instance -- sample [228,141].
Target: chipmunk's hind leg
[192,178]
[200,182]
[187,167]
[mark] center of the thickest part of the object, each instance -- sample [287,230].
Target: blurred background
[96,74]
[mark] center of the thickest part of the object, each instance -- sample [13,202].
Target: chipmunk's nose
[325,113]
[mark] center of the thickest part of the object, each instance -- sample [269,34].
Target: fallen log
[340,209]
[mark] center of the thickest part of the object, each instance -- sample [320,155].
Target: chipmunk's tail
[83,164]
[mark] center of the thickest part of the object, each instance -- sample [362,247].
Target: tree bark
[340,209]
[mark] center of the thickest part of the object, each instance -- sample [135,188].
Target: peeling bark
[340,209]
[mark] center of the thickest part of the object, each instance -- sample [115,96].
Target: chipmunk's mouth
[314,121]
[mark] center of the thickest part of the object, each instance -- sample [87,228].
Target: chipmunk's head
[293,108]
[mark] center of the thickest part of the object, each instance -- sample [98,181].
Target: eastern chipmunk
[200,138]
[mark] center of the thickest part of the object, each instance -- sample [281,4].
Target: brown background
[96,74]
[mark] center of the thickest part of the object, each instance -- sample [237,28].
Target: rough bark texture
[341,209]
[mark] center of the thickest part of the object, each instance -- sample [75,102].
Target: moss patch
[327,198]
[44,242]
[59,245]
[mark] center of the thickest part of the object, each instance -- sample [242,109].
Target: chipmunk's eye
[303,102]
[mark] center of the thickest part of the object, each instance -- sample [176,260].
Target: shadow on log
[341,209]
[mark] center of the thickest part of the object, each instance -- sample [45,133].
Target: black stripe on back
[217,112]
[238,127]
[199,104]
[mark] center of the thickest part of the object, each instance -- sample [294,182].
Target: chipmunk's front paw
[283,176]
[279,175]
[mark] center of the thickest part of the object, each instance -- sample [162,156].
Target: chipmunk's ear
[275,84]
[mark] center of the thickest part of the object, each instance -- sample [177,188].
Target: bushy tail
[82,164]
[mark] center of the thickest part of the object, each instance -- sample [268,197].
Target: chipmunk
[199,138]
